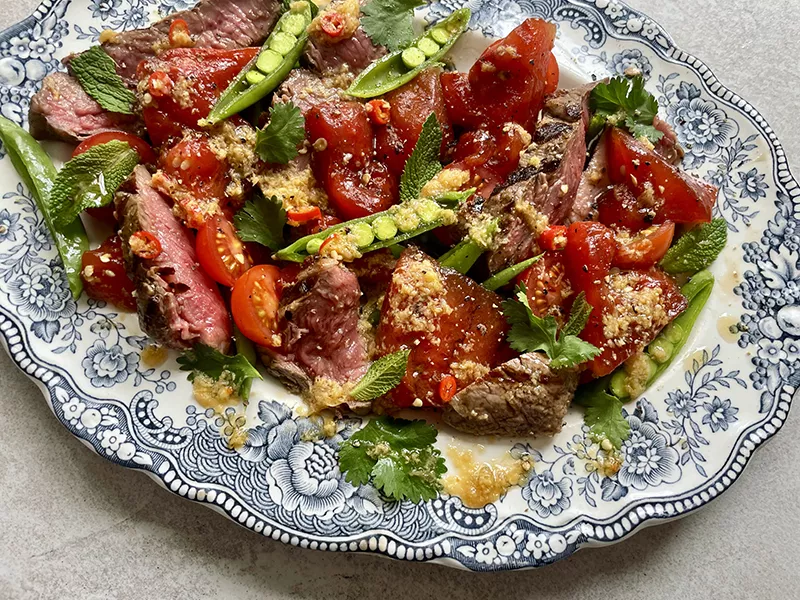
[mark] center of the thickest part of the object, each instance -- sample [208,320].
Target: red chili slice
[179,33]
[379,111]
[332,23]
[145,245]
[447,388]
[304,215]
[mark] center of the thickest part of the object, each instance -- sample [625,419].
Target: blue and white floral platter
[691,437]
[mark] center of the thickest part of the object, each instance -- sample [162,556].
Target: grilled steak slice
[212,24]
[668,146]
[321,336]
[306,90]
[353,54]
[520,397]
[61,110]
[542,190]
[179,305]
[594,183]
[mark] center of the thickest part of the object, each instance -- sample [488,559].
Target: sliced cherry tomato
[220,252]
[342,136]
[179,35]
[589,255]
[547,286]
[619,208]
[145,245]
[489,156]
[104,275]
[304,215]
[255,303]
[104,214]
[198,77]
[554,238]
[289,275]
[644,249]
[332,23]
[553,74]
[448,387]
[379,111]
[410,106]
[142,148]
[674,195]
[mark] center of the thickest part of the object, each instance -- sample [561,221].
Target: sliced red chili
[332,23]
[160,85]
[304,215]
[447,388]
[379,111]
[145,245]
[327,241]
[554,238]
[179,36]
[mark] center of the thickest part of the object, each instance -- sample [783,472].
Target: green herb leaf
[423,164]
[398,455]
[383,375]
[603,413]
[697,249]
[277,142]
[90,180]
[207,361]
[262,220]
[530,333]
[97,73]
[626,103]
[390,22]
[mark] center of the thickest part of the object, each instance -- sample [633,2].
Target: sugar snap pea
[462,256]
[264,73]
[381,230]
[508,275]
[38,174]
[400,67]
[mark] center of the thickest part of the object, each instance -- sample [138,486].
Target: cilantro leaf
[90,180]
[625,103]
[399,457]
[96,71]
[530,333]
[277,142]
[697,249]
[207,361]
[390,22]
[423,164]
[261,220]
[383,375]
[603,413]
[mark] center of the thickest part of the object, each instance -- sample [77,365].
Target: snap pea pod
[246,348]
[38,174]
[508,275]
[398,68]
[381,230]
[662,351]
[463,256]
[264,73]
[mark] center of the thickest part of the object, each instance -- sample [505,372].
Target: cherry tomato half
[142,148]
[220,252]
[547,286]
[254,305]
[104,276]
[646,248]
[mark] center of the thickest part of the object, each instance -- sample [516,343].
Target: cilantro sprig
[624,102]
[423,164]
[262,220]
[603,413]
[398,456]
[277,142]
[530,333]
[390,22]
[205,360]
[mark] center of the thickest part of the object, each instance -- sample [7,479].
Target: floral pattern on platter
[688,442]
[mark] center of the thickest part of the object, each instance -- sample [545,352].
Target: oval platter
[692,435]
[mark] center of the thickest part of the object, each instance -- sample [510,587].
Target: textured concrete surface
[73,526]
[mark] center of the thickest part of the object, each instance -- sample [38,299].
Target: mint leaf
[697,249]
[530,333]
[96,71]
[205,360]
[383,375]
[262,220]
[277,142]
[390,22]
[423,164]
[603,413]
[90,180]
[625,103]
[399,457]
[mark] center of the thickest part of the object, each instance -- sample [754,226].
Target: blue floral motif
[752,185]
[629,60]
[43,296]
[719,414]
[650,460]
[106,367]
[9,225]
[681,404]
[104,9]
[547,496]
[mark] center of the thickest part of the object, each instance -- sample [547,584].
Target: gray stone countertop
[74,526]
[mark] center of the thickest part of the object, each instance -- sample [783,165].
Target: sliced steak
[179,305]
[523,396]
[668,146]
[542,190]
[61,110]
[594,183]
[321,336]
[306,90]
[353,54]
[212,24]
